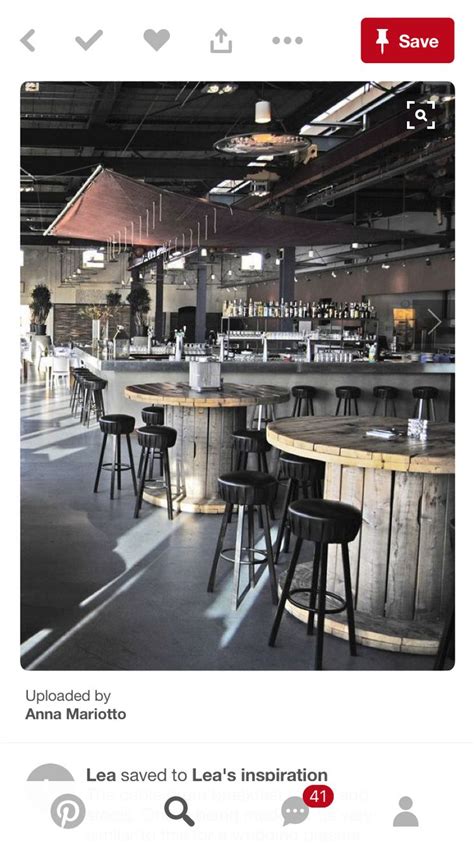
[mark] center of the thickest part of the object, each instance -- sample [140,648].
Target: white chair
[60,370]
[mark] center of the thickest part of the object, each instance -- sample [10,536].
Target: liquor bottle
[282,307]
[356,311]
[265,309]
[224,308]
[314,311]
[287,310]
[250,308]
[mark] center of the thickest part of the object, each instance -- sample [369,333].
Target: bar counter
[324,376]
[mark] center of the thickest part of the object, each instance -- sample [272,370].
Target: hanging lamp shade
[263,111]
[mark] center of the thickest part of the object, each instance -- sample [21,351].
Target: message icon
[294,811]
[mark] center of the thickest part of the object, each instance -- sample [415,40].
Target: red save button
[407,40]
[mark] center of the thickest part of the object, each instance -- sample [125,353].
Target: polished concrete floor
[102,591]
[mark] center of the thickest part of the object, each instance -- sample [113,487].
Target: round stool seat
[348,392]
[304,391]
[301,468]
[251,441]
[248,488]
[153,416]
[156,436]
[93,382]
[117,424]
[385,392]
[325,522]
[425,392]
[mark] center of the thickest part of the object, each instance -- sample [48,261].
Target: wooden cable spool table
[402,563]
[204,422]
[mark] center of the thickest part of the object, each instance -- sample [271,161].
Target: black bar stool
[261,415]
[323,523]
[306,394]
[75,372]
[152,417]
[304,476]
[425,398]
[246,490]
[245,442]
[92,400]
[77,395]
[387,394]
[155,439]
[116,426]
[349,394]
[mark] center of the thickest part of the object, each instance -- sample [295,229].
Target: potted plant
[40,307]
[113,298]
[113,301]
[139,301]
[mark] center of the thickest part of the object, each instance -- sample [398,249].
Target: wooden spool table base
[204,422]
[402,565]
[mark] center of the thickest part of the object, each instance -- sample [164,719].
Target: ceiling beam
[167,169]
[362,146]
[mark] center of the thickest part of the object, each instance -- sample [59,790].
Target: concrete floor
[102,591]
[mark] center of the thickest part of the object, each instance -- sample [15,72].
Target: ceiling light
[356,245]
[428,261]
[213,277]
[220,88]
[277,261]
[229,272]
[385,266]
[311,253]
[263,111]
[204,253]
[262,144]
[334,274]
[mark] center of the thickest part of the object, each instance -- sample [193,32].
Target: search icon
[182,813]
[420,114]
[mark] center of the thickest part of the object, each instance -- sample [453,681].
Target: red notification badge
[318,796]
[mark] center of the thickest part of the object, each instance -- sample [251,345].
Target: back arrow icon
[26,40]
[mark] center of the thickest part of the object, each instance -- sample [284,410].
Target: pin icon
[382,39]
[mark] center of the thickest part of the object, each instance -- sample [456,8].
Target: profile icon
[50,773]
[405,818]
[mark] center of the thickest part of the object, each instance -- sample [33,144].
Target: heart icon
[157,40]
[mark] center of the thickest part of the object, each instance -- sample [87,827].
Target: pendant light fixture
[268,143]
[263,111]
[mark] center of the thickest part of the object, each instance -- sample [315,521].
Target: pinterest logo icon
[68,811]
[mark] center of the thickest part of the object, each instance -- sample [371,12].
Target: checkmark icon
[87,44]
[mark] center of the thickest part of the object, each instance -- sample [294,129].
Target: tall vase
[95,330]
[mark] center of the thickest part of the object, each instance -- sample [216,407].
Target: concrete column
[201,302]
[159,283]
[135,273]
[287,280]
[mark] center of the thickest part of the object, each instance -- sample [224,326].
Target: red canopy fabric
[115,208]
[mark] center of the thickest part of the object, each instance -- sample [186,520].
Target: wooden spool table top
[231,395]
[342,440]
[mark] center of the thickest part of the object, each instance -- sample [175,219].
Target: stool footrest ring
[108,466]
[249,561]
[328,611]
